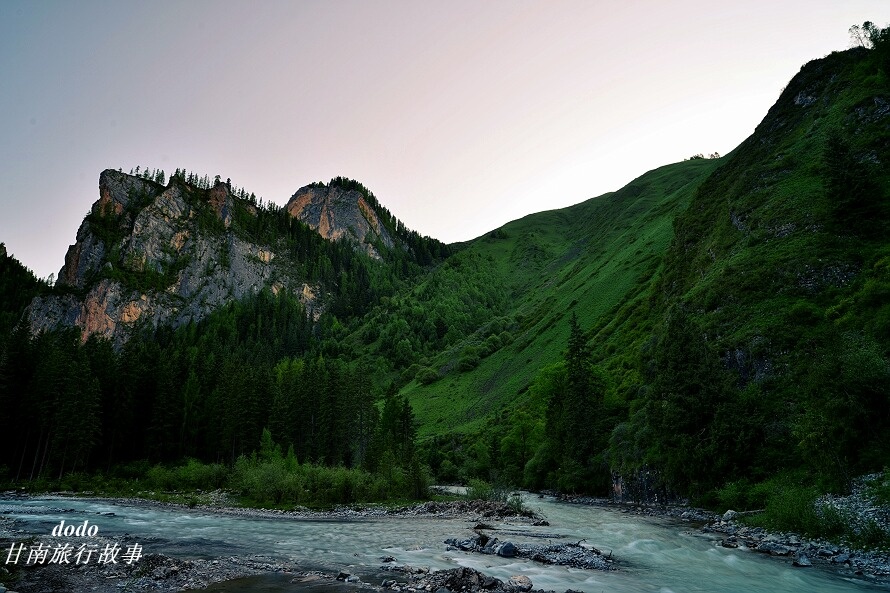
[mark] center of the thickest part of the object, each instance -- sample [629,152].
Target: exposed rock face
[160,255]
[337,214]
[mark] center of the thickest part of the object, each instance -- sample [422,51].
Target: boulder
[773,549]
[491,546]
[520,583]
[802,561]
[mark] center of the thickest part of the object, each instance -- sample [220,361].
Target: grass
[591,258]
[790,503]
[879,489]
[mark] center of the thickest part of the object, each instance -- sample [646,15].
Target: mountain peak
[342,211]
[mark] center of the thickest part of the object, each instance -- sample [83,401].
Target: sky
[460,116]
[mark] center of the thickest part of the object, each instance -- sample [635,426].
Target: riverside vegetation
[718,329]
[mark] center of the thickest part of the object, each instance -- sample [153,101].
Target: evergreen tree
[688,387]
[574,417]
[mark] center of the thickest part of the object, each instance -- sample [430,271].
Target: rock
[520,583]
[342,576]
[802,561]
[729,542]
[489,583]
[773,548]
[730,515]
[337,213]
[841,558]
[483,526]
[541,523]
[574,555]
[490,546]
[507,550]
[442,590]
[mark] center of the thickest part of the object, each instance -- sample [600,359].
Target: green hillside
[779,269]
[736,308]
[589,258]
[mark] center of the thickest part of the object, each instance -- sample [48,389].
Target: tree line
[206,391]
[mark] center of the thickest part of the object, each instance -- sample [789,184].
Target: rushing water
[654,555]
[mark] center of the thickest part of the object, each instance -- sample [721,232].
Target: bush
[880,489]
[791,508]
[491,345]
[741,495]
[468,361]
[427,375]
[193,475]
[482,490]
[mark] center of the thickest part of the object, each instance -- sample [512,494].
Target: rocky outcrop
[160,255]
[462,579]
[569,554]
[340,214]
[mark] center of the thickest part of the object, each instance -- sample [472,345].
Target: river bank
[729,530]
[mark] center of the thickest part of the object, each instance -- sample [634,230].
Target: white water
[654,555]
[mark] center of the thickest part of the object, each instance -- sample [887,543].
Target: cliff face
[338,213]
[160,255]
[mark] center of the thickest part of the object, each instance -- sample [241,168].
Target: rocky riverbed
[730,531]
[159,572]
[465,580]
[858,509]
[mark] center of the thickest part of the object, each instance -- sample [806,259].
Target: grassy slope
[794,300]
[757,259]
[591,258]
[759,256]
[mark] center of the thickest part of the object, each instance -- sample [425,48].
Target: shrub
[482,490]
[427,375]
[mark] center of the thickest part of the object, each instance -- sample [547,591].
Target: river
[653,554]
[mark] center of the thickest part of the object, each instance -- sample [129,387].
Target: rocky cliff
[339,213]
[161,255]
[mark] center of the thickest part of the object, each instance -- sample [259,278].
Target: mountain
[346,210]
[163,255]
[776,287]
[753,227]
[154,255]
[739,309]
[716,328]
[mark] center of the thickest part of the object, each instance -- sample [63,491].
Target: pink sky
[459,116]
